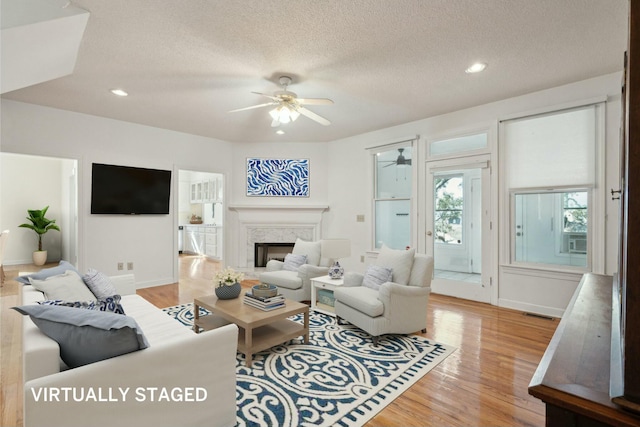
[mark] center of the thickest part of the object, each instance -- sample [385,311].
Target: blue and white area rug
[338,379]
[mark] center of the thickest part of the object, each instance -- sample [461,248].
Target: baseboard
[531,308]
[18,262]
[155,282]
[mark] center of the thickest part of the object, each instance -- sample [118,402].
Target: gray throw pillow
[375,276]
[99,283]
[292,262]
[86,336]
[48,272]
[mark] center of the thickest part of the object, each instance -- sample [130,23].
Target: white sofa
[177,361]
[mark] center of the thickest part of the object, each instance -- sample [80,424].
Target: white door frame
[484,292]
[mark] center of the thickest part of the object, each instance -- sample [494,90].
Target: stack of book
[264,303]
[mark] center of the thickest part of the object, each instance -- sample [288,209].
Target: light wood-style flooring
[483,383]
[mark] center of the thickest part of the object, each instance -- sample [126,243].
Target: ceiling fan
[288,107]
[400,161]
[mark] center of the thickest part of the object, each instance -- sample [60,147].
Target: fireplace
[273,225]
[266,251]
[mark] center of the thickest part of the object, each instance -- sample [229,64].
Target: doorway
[201,217]
[458,227]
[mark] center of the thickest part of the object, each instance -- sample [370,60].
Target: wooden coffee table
[259,330]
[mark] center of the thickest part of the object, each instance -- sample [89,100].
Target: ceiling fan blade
[254,106]
[390,164]
[314,101]
[275,98]
[313,116]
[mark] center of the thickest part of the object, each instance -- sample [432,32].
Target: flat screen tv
[129,190]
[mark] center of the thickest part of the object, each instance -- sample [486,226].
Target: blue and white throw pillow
[375,276]
[292,262]
[109,304]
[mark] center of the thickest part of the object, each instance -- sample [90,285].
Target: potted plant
[227,283]
[40,224]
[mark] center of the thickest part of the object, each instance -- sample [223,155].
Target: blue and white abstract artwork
[278,177]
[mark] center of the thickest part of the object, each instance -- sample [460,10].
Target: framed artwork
[278,177]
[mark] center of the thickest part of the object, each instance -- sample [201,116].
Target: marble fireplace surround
[274,224]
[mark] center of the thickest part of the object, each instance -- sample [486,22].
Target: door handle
[429,233]
[614,192]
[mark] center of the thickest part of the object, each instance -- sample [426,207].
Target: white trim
[554,108]
[399,142]
[239,208]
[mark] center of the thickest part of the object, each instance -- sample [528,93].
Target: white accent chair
[394,308]
[296,285]
[4,236]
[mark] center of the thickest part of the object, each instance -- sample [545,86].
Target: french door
[458,221]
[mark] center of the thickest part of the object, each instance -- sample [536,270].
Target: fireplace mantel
[276,224]
[240,208]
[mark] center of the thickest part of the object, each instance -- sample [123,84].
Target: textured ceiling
[185,64]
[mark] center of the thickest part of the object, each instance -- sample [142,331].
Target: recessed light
[476,68]
[280,132]
[119,92]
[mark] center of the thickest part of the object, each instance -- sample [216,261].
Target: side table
[322,294]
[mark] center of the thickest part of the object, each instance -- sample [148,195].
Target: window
[448,213]
[392,202]
[550,176]
[552,227]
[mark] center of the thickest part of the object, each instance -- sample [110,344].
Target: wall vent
[540,316]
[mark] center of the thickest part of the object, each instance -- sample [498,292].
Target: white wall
[150,242]
[350,177]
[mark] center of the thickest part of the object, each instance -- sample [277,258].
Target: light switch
[359,218]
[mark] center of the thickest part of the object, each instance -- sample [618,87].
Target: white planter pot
[39,257]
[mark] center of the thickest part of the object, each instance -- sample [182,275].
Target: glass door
[457,227]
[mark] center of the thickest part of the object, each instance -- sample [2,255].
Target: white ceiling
[185,64]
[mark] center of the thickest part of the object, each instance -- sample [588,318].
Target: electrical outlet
[359,218]
[120,266]
[129,266]
[361,258]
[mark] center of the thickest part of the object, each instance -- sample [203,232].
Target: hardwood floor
[483,383]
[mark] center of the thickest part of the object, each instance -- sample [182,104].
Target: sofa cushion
[99,284]
[292,262]
[361,298]
[374,276]
[310,249]
[400,261]
[283,278]
[86,336]
[61,268]
[66,287]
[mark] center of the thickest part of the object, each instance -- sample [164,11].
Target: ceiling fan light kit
[288,107]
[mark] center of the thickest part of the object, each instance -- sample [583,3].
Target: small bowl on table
[264,290]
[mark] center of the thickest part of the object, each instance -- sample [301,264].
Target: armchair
[296,285]
[398,306]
